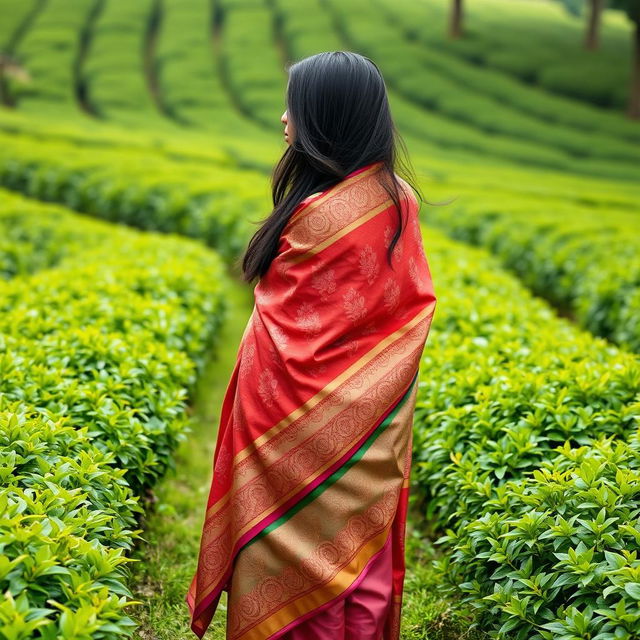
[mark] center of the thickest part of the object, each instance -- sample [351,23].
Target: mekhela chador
[313,454]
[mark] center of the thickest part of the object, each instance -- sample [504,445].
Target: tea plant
[523,449]
[100,348]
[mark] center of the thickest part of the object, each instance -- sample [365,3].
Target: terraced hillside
[124,126]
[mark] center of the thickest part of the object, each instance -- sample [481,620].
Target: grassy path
[172,530]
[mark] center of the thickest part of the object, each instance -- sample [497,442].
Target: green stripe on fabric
[336,475]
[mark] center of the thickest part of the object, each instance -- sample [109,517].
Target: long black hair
[338,106]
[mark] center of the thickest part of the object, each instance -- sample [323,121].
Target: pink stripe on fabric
[342,596]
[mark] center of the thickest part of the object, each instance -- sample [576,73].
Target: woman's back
[307,509]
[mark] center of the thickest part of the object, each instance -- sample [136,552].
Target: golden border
[320,395]
[249,525]
[341,233]
[337,188]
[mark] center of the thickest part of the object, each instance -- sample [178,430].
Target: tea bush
[30,241]
[555,554]
[583,257]
[214,204]
[46,48]
[505,387]
[191,90]
[67,518]
[465,60]
[114,77]
[536,44]
[99,352]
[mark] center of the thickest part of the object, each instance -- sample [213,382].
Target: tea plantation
[136,145]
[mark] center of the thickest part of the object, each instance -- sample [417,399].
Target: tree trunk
[455,23]
[634,94]
[593,28]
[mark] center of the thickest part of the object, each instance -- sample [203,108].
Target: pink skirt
[361,614]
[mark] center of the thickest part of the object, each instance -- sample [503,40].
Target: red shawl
[313,455]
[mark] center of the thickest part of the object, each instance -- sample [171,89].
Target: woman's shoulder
[406,187]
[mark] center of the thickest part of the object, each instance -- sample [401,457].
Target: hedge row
[406,67]
[213,203]
[538,43]
[187,71]
[85,58]
[100,351]
[48,51]
[247,36]
[526,457]
[195,88]
[31,241]
[442,55]
[555,554]
[584,258]
[67,520]
[137,71]
[112,70]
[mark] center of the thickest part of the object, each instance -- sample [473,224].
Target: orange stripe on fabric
[323,393]
[337,585]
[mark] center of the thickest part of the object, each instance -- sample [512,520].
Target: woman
[305,521]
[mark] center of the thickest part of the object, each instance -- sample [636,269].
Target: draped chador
[313,453]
